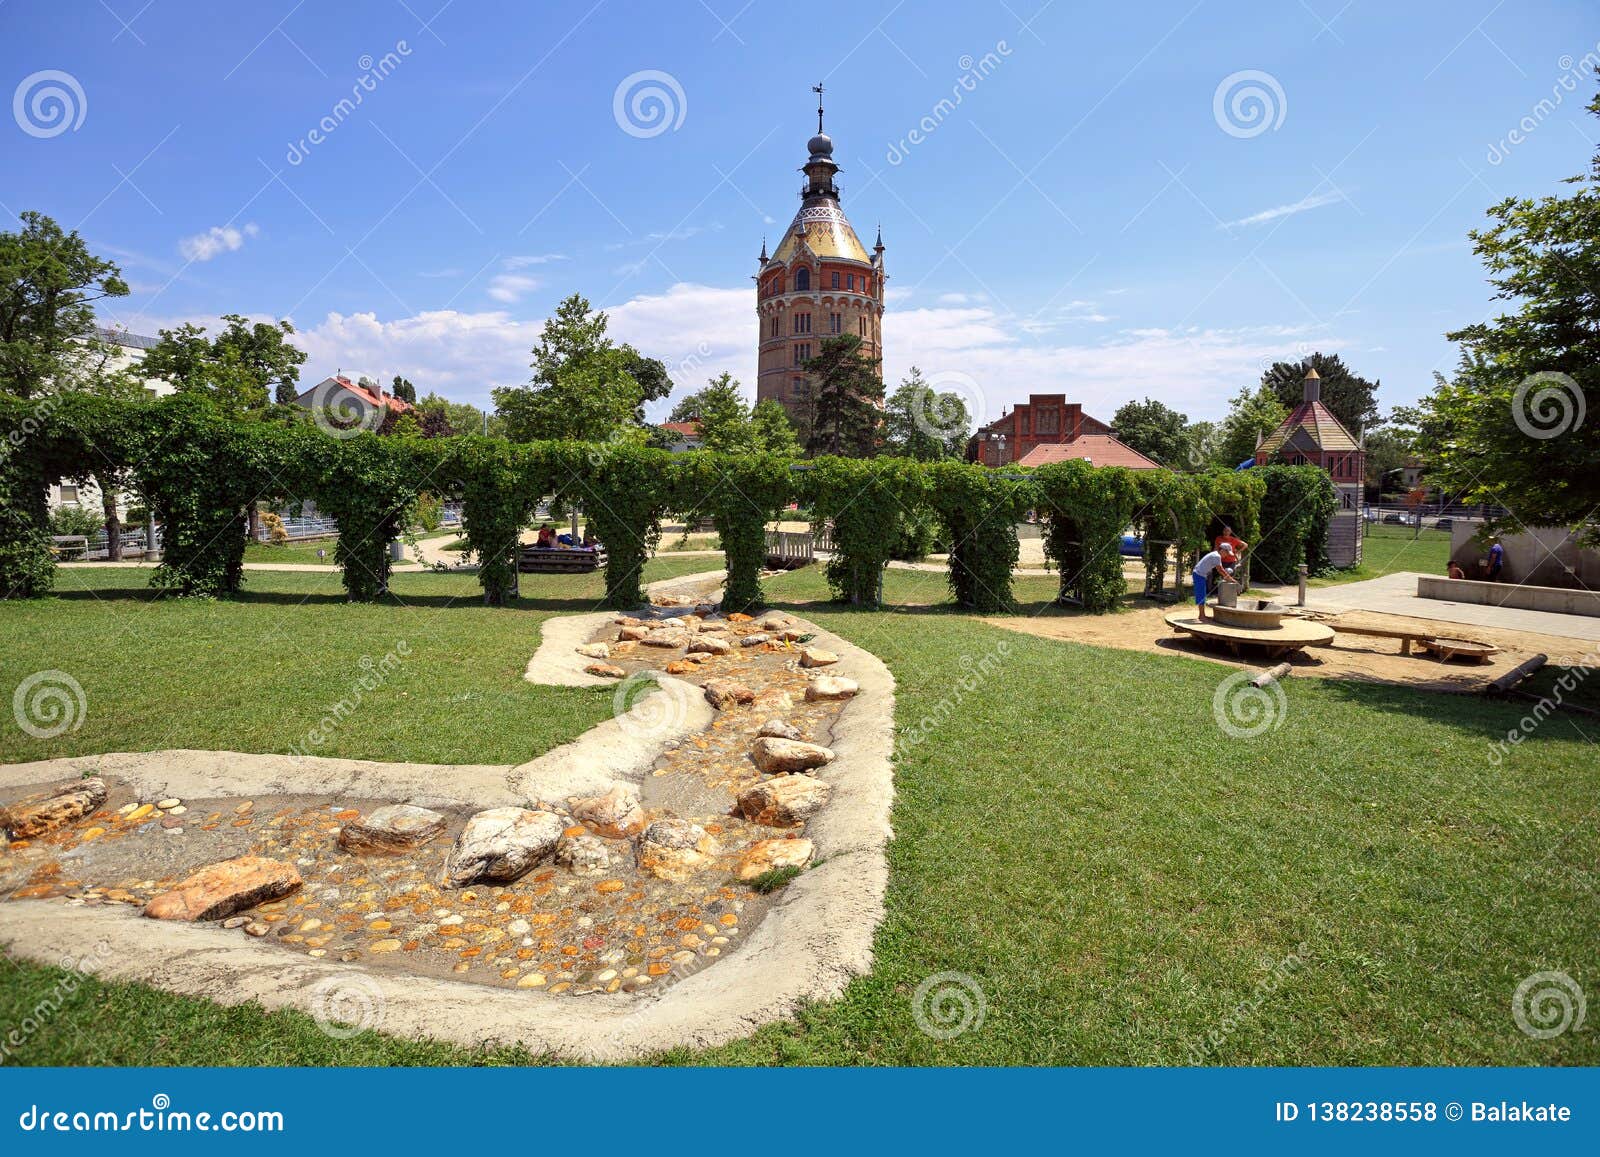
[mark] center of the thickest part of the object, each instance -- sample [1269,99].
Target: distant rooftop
[122,337]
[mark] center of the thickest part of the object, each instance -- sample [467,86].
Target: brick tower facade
[819,282]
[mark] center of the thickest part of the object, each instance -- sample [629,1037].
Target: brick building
[1048,428]
[1312,436]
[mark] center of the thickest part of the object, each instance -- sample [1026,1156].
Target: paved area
[1396,594]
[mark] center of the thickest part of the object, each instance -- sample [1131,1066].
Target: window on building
[861,326]
[69,495]
[835,321]
[797,388]
[850,281]
[1047,422]
[836,280]
[802,353]
[777,325]
[802,323]
[802,280]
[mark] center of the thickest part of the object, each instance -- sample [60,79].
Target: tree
[1155,430]
[1388,450]
[242,368]
[581,386]
[1202,445]
[729,425]
[923,424]
[846,399]
[1255,414]
[1518,425]
[49,282]
[403,390]
[1351,398]
[460,417]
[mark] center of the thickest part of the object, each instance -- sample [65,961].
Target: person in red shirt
[1227,536]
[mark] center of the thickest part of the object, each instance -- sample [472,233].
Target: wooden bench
[560,559]
[69,546]
[1446,647]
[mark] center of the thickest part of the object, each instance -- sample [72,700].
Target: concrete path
[1396,594]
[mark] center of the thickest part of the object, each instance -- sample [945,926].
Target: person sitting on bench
[589,540]
[1220,559]
[547,537]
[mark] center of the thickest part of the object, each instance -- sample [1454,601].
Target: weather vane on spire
[817,88]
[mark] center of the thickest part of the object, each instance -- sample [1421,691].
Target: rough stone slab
[825,687]
[222,889]
[502,844]
[52,809]
[396,828]
[780,756]
[785,801]
[765,856]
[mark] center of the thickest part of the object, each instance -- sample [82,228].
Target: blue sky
[1094,215]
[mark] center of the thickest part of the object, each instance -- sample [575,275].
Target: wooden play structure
[1442,647]
[1264,627]
[560,559]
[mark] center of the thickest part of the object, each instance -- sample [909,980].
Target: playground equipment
[1257,624]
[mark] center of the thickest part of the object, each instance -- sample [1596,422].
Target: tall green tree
[404,390]
[846,400]
[1155,430]
[1349,396]
[1519,423]
[729,425]
[1255,414]
[581,389]
[49,282]
[243,368]
[922,423]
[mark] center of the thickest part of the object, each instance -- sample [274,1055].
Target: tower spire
[817,88]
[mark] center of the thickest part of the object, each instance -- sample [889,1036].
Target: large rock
[398,827]
[606,671]
[825,687]
[754,640]
[784,756]
[765,856]
[593,650]
[222,889]
[773,621]
[817,657]
[632,632]
[674,849]
[502,844]
[785,801]
[777,729]
[616,814]
[583,855]
[665,639]
[60,805]
[725,693]
[711,645]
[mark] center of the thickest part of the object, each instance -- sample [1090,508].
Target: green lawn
[1075,833]
[1387,549]
[296,552]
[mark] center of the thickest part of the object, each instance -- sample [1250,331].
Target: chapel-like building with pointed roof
[1312,436]
[819,282]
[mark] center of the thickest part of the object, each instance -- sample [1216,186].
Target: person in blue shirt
[1220,559]
[1497,559]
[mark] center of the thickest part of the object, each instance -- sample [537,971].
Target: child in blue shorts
[1220,559]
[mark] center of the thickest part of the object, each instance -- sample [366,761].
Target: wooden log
[1271,675]
[1516,675]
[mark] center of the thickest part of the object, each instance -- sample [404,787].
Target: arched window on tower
[802,280]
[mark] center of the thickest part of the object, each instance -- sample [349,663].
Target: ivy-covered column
[368,485]
[1086,509]
[979,509]
[624,490]
[741,493]
[500,488]
[866,500]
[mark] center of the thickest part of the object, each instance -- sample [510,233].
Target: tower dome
[820,146]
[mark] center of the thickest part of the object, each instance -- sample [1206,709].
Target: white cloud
[216,240]
[526,260]
[1314,201]
[510,287]
[699,331]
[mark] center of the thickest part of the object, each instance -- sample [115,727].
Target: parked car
[1132,546]
[1444,524]
[1395,519]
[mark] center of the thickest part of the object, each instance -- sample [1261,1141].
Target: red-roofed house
[1097,449]
[353,402]
[1048,428]
[685,435]
[1312,436]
